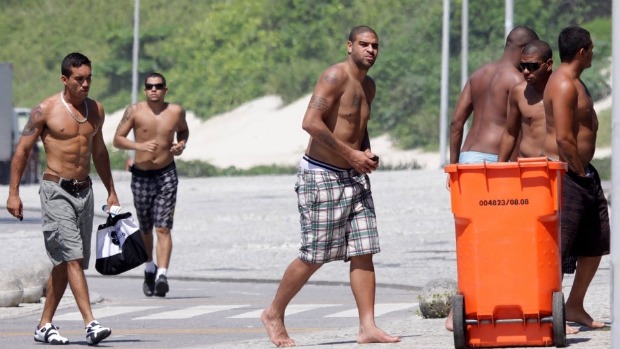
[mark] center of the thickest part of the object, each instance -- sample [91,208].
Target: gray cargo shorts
[67,223]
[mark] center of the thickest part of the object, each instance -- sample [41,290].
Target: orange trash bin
[507,224]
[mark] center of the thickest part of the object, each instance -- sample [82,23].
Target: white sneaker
[95,333]
[49,334]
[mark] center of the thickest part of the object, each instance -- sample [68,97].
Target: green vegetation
[603,136]
[195,168]
[217,54]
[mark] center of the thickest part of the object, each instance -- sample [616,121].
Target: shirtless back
[486,95]
[155,124]
[339,109]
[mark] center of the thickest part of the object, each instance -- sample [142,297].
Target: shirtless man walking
[572,124]
[486,95]
[69,124]
[154,177]
[525,122]
[337,213]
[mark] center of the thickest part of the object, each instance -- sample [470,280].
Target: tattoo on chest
[357,100]
[318,103]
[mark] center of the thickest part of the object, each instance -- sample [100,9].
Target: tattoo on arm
[30,128]
[318,103]
[331,79]
[328,139]
[126,115]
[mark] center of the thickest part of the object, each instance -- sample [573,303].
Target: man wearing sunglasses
[525,121]
[154,177]
[572,124]
[486,96]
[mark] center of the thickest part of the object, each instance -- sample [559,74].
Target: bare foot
[581,317]
[571,330]
[375,335]
[449,322]
[276,330]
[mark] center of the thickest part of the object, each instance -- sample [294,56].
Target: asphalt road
[200,313]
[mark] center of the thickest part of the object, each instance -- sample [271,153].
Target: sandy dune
[264,132]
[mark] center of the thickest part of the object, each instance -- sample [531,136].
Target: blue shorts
[476,157]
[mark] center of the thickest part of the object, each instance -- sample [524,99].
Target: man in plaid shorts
[336,209]
[154,181]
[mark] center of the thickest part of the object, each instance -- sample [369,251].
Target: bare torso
[490,86]
[160,128]
[348,117]
[532,121]
[67,143]
[584,124]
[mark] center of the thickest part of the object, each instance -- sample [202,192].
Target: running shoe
[49,334]
[148,287]
[95,333]
[161,286]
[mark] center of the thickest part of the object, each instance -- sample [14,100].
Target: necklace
[62,98]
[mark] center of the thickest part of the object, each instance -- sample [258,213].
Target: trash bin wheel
[559,320]
[458,321]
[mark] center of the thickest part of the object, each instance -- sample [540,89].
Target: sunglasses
[157,86]
[530,66]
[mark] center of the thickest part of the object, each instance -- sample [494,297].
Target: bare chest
[61,125]
[354,104]
[162,125]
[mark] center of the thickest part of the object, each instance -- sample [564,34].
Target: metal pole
[508,20]
[445,57]
[464,51]
[134,69]
[615,174]
[136,47]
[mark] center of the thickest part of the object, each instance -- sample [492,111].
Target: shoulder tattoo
[331,78]
[35,114]
[127,114]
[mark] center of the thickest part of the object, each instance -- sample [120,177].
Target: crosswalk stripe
[102,313]
[290,310]
[189,312]
[380,309]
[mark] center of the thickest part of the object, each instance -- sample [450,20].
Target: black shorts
[584,218]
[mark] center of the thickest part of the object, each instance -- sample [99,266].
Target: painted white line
[380,309]
[102,313]
[290,310]
[189,312]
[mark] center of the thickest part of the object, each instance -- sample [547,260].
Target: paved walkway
[246,228]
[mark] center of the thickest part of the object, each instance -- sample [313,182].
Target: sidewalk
[247,228]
